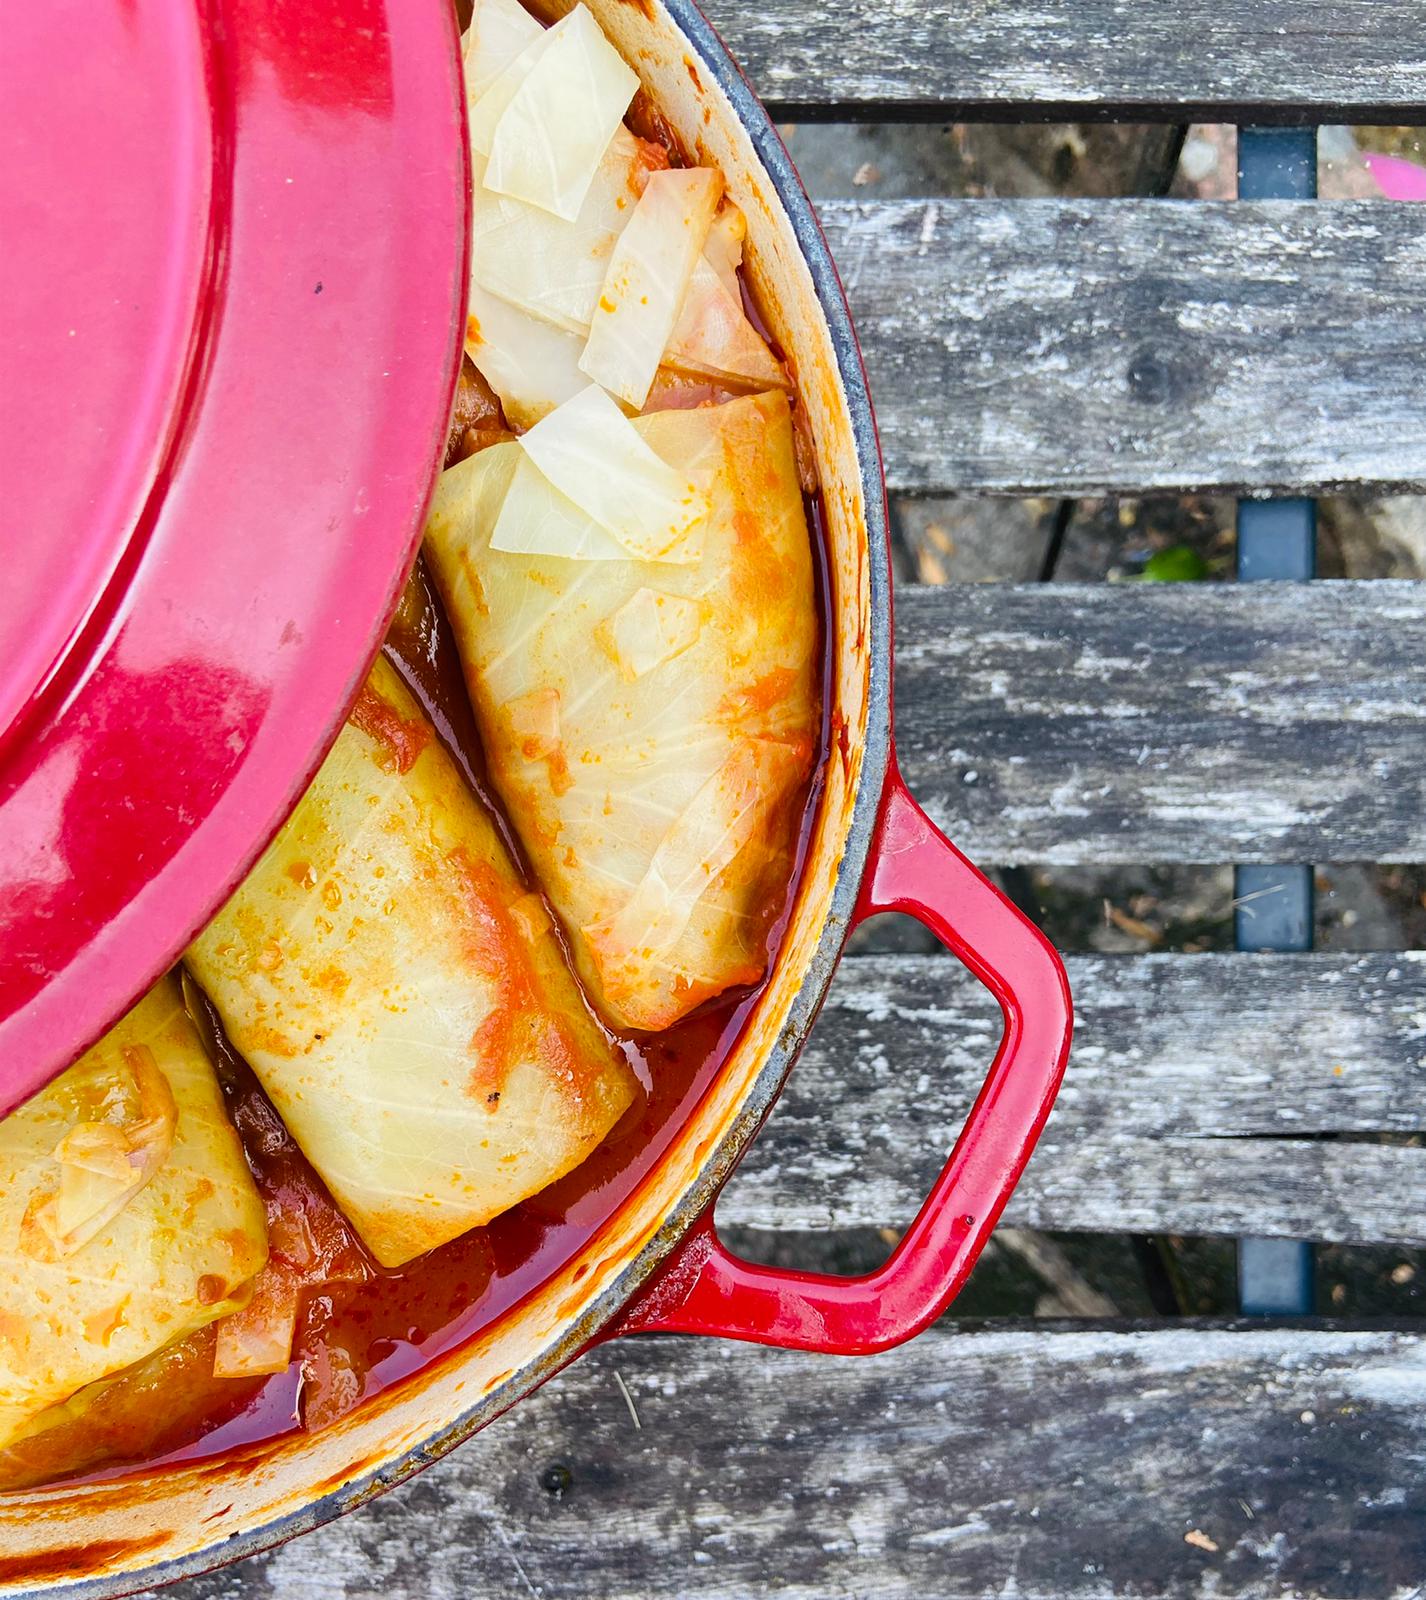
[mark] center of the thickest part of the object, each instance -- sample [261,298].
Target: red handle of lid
[705,1289]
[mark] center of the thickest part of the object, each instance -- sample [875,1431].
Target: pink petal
[1398,179]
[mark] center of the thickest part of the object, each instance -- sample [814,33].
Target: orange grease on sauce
[77,1561]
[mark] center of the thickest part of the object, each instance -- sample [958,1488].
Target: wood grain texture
[1214,1094]
[1071,347]
[1167,722]
[1144,60]
[1031,1463]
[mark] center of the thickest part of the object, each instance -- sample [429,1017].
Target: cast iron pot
[658,1264]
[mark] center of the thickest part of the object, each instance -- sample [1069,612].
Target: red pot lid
[233,292]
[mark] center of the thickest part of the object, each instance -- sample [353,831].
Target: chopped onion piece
[550,267]
[499,30]
[537,520]
[530,364]
[592,453]
[96,1180]
[647,279]
[103,1165]
[258,1339]
[649,629]
[713,337]
[553,133]
[530,916]
[96,1147]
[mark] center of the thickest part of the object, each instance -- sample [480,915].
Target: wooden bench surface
[1064,348]
[1074,347]
[1125,60]
[1030,1462]
[1082,723]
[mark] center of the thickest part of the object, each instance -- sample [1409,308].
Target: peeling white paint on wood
[1168,722]
[1082,347]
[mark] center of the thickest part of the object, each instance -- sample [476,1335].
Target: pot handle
[705,1289]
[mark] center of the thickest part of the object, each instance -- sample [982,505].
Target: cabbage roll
[649,723]
[128,1217]
[403,998]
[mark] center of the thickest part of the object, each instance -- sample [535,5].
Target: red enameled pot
[227,464]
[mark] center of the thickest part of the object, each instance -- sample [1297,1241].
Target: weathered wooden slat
[1168,722]
[1072,347]
[1214,1094]
[1017,60]
[1347,1192]
[1037,1464]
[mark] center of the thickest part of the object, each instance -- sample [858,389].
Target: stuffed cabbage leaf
[128,1217]
[403,998]
[649,723]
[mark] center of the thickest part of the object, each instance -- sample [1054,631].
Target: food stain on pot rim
[96,1557]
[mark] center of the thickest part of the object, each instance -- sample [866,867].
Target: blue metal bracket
[1272,910]
[1277,539]
[1273,905]
[1277,163]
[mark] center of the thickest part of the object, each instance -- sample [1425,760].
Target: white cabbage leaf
[556,126]
[531,365]
[483,114]
[535,519]
[435,1064]
[714,339]
[723,248]
[725,725]
[553,266]
[647,279]
[590,451]
[548,266]
[128,1217]
[499,30]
